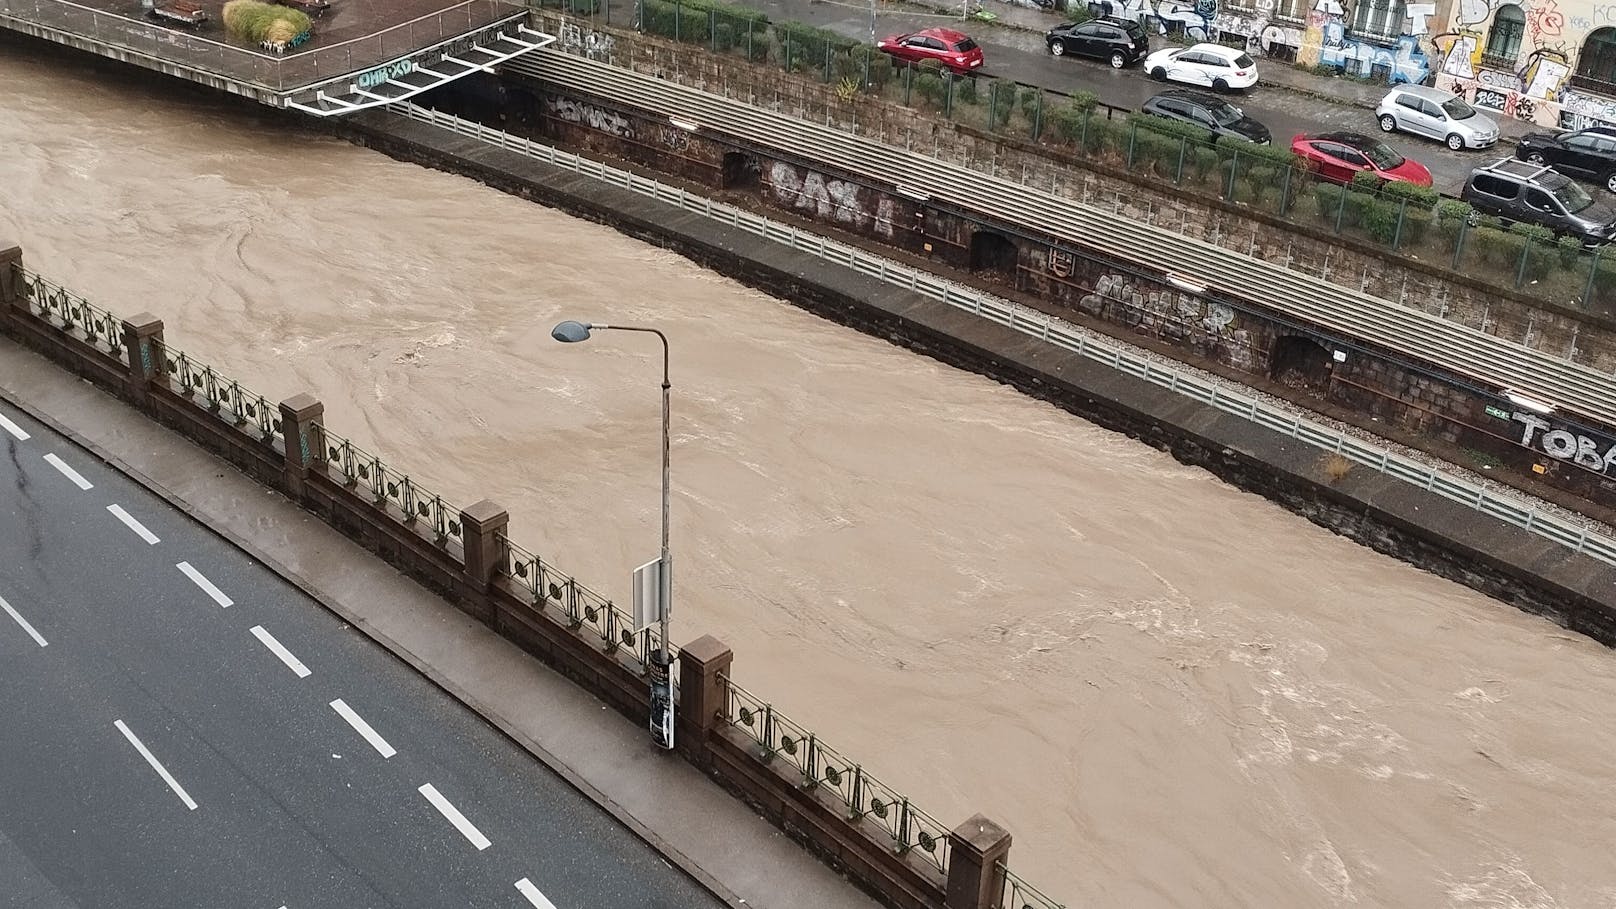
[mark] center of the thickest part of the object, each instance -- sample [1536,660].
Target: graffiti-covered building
[1389,39]
[1545,61]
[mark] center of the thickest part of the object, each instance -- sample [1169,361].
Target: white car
[1213,65]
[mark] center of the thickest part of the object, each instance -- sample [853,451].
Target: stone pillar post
[143,350]
[302,428]
[10,278]
[478,525]
[701,694]
[976,848]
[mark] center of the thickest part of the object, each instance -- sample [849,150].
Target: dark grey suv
[1209,112]
[1519,191]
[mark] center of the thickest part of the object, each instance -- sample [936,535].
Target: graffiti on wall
[1327,40]
[606,121]
[830,199]
[1564,445]
[592,44]
[1193,18]
[1209,326]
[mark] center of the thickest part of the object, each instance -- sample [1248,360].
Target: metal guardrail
[1055,332]
[233,61]
[388,485]
[1015,893]
[862,796]
[1461,350]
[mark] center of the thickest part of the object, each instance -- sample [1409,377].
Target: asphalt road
[179,727]
[1021,55]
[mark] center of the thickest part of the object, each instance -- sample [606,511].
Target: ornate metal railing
[67,310]
[222,396]
[1016,893]
[559,596]
[360,467]
[824,768]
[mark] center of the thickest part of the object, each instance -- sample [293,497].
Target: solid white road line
[13,428]
[70,473]
[526,888]
[23,622]
[167,778]
[363,728]
[202,582]
[455,817]
[268,640]
[132,524]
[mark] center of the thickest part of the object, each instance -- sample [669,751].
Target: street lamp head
[570,332]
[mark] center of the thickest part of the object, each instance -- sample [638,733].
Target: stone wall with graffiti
[1532,83]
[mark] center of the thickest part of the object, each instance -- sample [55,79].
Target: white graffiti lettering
[837,200]
[1563,444]
[590,116]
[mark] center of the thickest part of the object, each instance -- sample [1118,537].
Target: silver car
[1436,114]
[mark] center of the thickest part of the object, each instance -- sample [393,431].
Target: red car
[1337,156]
[954,50]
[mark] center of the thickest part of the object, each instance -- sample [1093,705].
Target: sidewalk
[699,827]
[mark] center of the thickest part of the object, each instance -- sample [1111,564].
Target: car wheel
[1536,158]
[1117,60]
[1159,74]
[1455,141]
[1474,218]
[1388,123]
[1057,48]
[1220,85]
[1610,181]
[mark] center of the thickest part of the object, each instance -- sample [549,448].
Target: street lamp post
[661,720]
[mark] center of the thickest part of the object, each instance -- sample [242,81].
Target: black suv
[1208,112]
[1586,153]
[1118,40]
[1519,191]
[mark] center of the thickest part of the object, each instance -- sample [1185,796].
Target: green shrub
[1164,127]
[1571,253]
[696,20]
[929,86]
[1357,206]
[1425,196]
[1380,219]
[1031,102]
[1003,104]
[1328,197]
[1494,246]
[1366,181]
[1204,161]
[964,88]
[1449,210]
[1263,179]
[262,23]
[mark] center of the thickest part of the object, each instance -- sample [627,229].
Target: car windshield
[1457,109]
[1244,62]
[966,45]
[1573,197]
[1381,155]
[1227,114]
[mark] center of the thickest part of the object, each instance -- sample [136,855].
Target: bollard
[143,346]
[303,431]
[11,276]
[702,694]
[976,849]
[479,523]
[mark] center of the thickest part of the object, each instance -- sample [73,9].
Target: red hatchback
[954,50]
[1337,156]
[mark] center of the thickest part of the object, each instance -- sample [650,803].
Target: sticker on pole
[650,594]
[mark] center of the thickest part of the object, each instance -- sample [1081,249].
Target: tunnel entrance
[992,251]
[1299,362]
[740,170]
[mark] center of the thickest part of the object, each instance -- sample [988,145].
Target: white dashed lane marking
[13,428]
[526,888]
[70,473]
[38,639]
[455,817]
[161,770]
[207,586]
[132,524]
[363,728]
[292,662]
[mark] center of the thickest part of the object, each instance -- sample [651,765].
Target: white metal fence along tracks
[1053,331]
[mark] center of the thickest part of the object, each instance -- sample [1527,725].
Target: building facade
[1549,62]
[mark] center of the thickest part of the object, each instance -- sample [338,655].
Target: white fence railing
[1052,330]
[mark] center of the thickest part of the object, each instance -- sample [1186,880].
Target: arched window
[1378,18]
[1597,62]
[1504,37]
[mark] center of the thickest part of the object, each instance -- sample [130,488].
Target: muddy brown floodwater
[1172,692]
